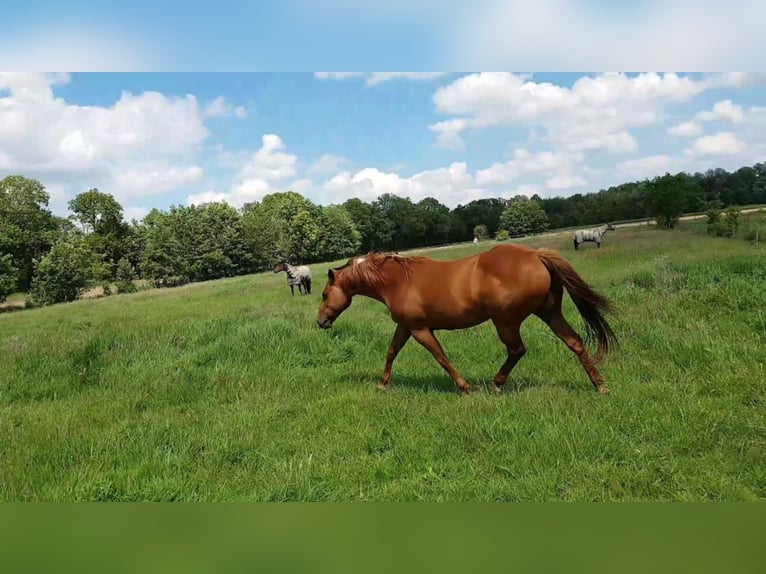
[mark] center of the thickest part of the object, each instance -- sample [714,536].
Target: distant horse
[596,234]
[505,284]
[300,276]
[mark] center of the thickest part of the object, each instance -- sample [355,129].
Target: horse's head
[280,267]
[609,227]
[335,299]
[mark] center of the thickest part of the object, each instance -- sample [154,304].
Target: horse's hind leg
[559,325]
[426,338]
[509,334]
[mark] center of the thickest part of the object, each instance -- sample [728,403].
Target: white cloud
[206,197]
[546,164]
[135,212]
[722,111]
[451,185]
[220,108]
[158,179]
[327,164]
[265,171]
[722,143]
[562,182]
[594,114]
[141,145]
[685,129]
[642,168]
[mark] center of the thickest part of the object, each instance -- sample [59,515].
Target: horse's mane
[370,270]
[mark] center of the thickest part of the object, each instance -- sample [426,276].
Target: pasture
[228,391]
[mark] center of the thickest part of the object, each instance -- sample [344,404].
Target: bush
[481,232]
[524,217]
[125,277]
[725,226]
[64,273]
[503,235]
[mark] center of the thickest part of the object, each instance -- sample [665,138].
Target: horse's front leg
[401,336]
[426,338]
[292,290]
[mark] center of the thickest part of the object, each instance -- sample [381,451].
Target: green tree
[436,219]
[8,276]
[485,212]
[376,232]
[64,273]
[523,217]
[339,236]
[95,211]
[27,228]
[284,225]
[667,199]
[401,217]
[194,243]
[100,219]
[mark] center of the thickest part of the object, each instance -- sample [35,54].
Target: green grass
[228,391]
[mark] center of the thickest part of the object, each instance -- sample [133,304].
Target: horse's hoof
[603,390]
[381,387]
[497,390]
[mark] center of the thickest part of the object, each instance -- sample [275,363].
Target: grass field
[228,391]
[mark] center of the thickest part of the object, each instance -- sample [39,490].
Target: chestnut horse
[505,285]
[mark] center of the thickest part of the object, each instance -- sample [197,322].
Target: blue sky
[155,139]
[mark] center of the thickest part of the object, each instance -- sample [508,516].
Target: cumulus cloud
[722,143]
[220,108]
[723,111]
[327,164]
[267,170]
[594,114]
[685,129]
[451,185]
[142,145]
[554,167]
[645,167]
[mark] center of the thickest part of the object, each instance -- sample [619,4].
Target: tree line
[55,259]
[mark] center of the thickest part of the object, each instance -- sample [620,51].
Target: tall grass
[228,391]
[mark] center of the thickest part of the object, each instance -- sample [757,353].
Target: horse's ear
[331,275]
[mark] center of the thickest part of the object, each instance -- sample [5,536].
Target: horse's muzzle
[324,323]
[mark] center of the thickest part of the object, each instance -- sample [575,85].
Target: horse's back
[304,271]
[507,278]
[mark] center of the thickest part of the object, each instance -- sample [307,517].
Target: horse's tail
[591,304]
[308,285]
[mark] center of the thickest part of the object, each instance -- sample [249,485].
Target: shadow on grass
[12,308]
[444,384]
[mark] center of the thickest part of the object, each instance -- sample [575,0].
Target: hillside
[226,390]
